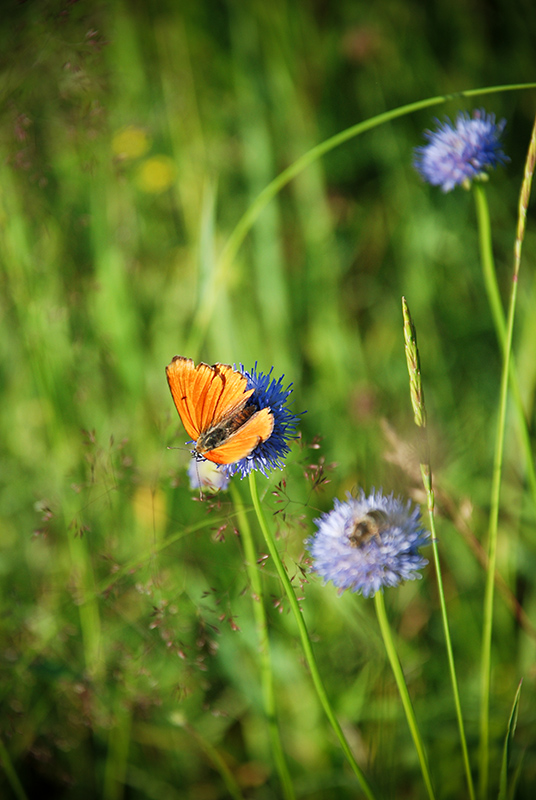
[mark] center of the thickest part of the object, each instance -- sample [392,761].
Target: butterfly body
[213,404]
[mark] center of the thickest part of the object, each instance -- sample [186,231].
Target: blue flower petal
[207,476]
[367,543]
[269,454]
[457,155]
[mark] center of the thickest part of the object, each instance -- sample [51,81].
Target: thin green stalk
[218,761]
[486,258]
[267,677]
[419,414]
[485,667]
[208,302]
[88,603]
[305,640]
[402,689]
[427,481]
[116,765]
[11,774]
[494,298]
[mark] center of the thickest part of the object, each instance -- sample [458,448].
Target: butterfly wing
[239,444]
[226,394]
[205,395]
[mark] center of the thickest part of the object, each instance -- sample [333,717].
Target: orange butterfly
[213,405]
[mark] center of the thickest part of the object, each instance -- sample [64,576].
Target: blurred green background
[133,137]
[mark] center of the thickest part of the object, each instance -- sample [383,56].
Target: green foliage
[133,137]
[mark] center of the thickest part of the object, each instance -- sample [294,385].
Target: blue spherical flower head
[268,455]
[207,476]
[457,155]
[366,543]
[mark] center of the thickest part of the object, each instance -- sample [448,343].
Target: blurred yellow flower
[156,174]
[130,142]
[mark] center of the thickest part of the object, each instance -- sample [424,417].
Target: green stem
[209,299]
[11,775]
[485,668]
[259,613]
[402,689]
[218,761]
[427,481]
[305,640]
[488,265]
[419,416]
[497,311]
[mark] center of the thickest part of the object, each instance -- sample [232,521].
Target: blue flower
[457,155]
[207,476]
[366,543]
[268,455]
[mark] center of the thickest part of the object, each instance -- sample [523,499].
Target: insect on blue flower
[268,454]
[367,543]
[458,154]
[235,418]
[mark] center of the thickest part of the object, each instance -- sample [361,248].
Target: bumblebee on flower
[367,543]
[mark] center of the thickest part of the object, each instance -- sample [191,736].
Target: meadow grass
[233,182]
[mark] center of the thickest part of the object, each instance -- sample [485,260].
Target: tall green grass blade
[267,676]
[10,773]
[504,783]
[485,669]
[394,661]
[492,289]
[306,641]
[419,415]
[115,770]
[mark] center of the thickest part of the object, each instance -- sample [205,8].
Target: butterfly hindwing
[239,444]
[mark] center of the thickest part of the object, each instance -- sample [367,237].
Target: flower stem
[497,311]
[305,640]
[427,481]
[267,678]
[486,258]
[419,414]
[402,689]
[485,667]
[208,301]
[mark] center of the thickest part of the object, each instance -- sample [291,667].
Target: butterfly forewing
[180,375]
[206,386]
[230,396]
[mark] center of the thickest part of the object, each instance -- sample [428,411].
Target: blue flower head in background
[457,155]
[268,454]
[207,476]
[367,543]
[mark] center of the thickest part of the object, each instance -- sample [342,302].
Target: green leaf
[511,729]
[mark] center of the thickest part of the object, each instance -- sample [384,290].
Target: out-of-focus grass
[120,663]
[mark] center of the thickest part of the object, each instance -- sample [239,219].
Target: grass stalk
[419,413]
[402,689]
[11,774]
[267,676]
[485,666]
[306,642]
[497,311]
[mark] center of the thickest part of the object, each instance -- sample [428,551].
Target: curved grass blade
[504,794]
